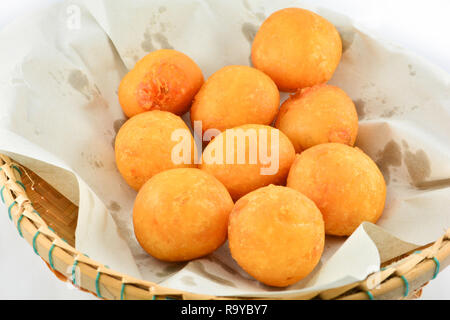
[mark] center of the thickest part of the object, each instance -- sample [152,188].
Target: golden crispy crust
[276,234]
[345,184]
[181,214]
[143,146]
[318,114]
[234,96]
[240,179]
[297,48]
[163,80]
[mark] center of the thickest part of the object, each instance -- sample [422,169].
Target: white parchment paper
[59,114]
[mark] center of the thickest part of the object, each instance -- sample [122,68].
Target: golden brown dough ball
[243,160]
[276,234]
[234,96]
[344,182]
[181,214]
[319,114]
[163,80]
[297,48]
[144,146]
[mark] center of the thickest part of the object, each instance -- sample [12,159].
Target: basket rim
[403,277]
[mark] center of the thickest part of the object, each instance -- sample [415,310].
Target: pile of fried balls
[275,223]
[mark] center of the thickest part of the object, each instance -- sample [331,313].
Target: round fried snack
[234,96]
[181,214]
[296,48]
[345,184]
[316,115]
[145,143]
[163,80]
[248,157]
[276,234]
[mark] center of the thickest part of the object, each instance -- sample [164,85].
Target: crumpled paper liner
[60,113]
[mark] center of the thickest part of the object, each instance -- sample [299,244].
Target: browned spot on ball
[340,136]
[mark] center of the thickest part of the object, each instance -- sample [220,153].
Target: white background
[421,26]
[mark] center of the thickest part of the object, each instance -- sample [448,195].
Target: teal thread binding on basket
[36,212]
[1,193]
[370,295]
[17,169]
[97,288]
[74,279]
[22,185]
[9,209]
[50,258]
[18,225]
[438,266]
[34,242]
[122,291]
[406,286]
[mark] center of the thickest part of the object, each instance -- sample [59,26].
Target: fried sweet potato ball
[276,234]
[345,184]
[316,115]
[234,96]
[297,48]
[144,146]
[248,157]
[181,214]
[164,80]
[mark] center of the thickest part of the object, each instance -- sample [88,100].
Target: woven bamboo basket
[47,221]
